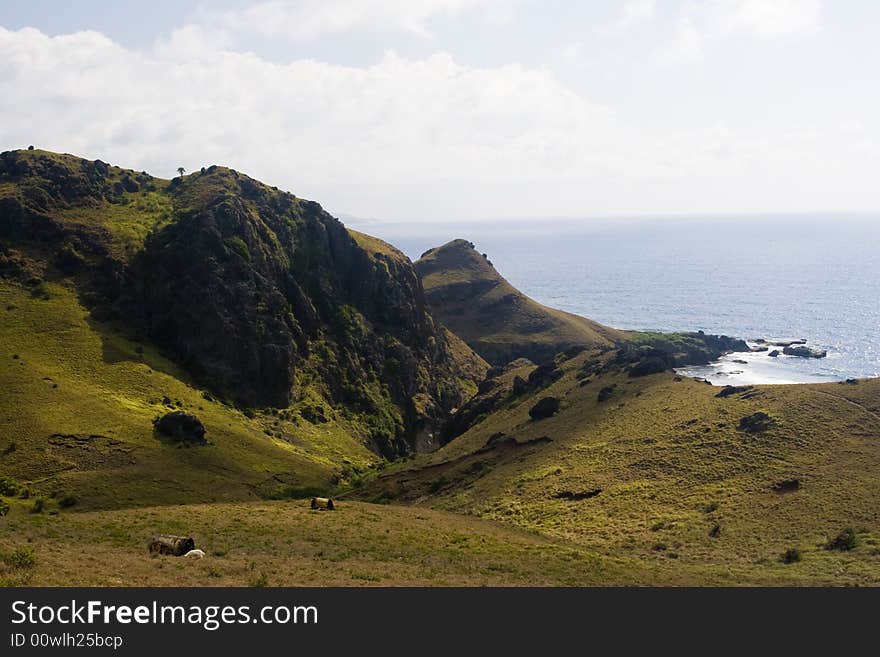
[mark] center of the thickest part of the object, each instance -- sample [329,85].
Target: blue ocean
[813,277]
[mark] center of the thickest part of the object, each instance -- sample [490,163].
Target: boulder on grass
[181,427]
[546,407]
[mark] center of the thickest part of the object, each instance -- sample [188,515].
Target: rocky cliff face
[263,297]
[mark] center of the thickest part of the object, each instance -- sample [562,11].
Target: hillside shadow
[118,345]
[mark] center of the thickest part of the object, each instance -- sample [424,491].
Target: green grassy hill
[499,322]
[306,351]
[259,296]
[311,357]
[77,410]
[667,472]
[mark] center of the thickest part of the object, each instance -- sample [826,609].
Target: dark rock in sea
[787,343]
[546,407]
[774,353]
[803,351]
[758,349]
[756,423]
[741,362]
[182,427]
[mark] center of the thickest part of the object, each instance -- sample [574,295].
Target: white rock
[197,554]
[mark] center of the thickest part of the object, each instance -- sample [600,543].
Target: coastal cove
[812,277]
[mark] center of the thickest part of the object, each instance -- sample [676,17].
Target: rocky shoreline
[796,347]
[764,360]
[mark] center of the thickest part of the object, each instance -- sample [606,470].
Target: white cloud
[688,39]
[635,12]
[703,21]
[299,125]
[571,56]
[762,18]
[399,139]
[307,19]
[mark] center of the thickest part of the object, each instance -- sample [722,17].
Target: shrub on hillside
[20,558]
[791,555]
[605,393]
[67,501]
[756,423]
[846,540]
[8,486]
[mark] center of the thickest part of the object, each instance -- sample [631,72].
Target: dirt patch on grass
[89,452]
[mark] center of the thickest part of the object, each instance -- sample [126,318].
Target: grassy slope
[77,377]
[358,544]
[671,465]
[500,323]
[105,387]
[63,373]
[376,247]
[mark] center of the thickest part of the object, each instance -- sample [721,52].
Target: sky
[421,110]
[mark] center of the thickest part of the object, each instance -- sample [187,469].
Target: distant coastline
[741,276]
